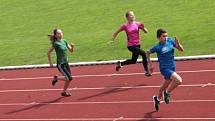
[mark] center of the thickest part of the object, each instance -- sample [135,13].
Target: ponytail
[51,37]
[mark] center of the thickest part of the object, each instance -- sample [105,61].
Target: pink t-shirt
[132,32]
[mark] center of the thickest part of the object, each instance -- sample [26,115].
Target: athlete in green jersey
[61,46]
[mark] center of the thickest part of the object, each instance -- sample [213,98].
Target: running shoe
[148,74]
[156,103]
[54,81]
[65,94]
[118,66]
[166,97]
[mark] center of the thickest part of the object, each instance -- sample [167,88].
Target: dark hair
[55,33]
[160,32]
[52,37]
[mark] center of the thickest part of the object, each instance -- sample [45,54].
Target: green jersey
[61,51]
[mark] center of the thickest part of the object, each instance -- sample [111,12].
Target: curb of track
[182,58]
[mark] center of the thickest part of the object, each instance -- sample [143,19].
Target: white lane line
[106,119]
[208,84]
[116,119]
[99,102]
[103,88]
[103,75]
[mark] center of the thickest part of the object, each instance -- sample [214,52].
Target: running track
[101,94]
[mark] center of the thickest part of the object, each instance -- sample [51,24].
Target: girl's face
[131,16]
[59,34]
[163,37]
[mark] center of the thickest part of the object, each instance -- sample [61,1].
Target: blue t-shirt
[165,53]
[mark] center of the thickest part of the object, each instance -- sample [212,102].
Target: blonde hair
[127,13]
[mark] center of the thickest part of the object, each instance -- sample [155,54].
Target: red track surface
[101,94]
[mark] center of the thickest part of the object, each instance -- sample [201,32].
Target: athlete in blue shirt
[165,54]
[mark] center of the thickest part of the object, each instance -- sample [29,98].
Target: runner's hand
[176,40]
[71,48]
[111,42]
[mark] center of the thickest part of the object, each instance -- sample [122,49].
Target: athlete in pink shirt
[132,28]
[132,31]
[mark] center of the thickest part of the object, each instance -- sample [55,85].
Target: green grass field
[89,24]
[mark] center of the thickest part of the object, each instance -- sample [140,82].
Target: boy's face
[163,37]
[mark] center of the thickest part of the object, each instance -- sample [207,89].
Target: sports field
[90,24]
[99,93]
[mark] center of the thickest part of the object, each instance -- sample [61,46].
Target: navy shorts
[167,72]
[65,70]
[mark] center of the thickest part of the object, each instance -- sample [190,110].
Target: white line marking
[103,75]
[103,88]
[99,102]
[208,84]
[105,119]
[116,119]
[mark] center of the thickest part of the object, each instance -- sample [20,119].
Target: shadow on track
[149,117]
[37,105]
[111,90]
